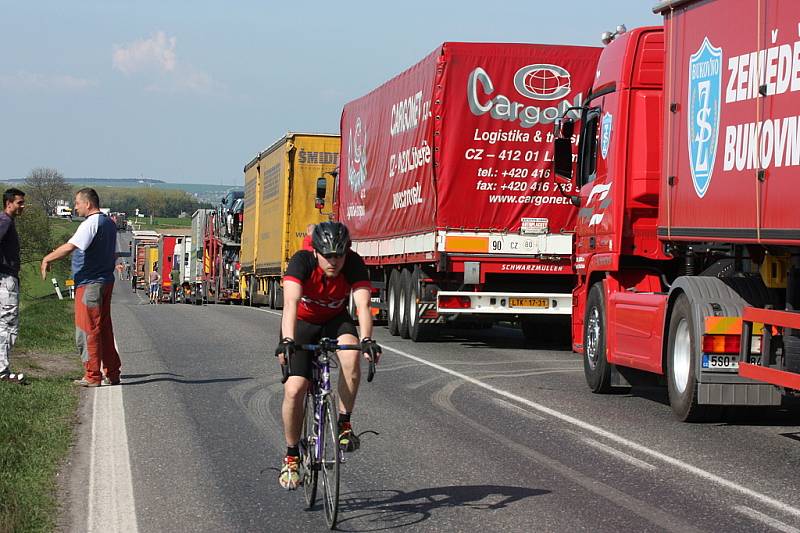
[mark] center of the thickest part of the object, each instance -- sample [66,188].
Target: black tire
[682,350]
[308,445]
[392,299]
[417,331]
[595,364]
[403,305]
[331,456]
[791,350]
[271,295]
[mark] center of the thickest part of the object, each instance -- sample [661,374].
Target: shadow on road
[176,378]
[391,509]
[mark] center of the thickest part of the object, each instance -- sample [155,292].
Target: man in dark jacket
[13,205]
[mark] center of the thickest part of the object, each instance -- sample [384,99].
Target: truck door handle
[591,242]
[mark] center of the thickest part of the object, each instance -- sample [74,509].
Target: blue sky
[190,91]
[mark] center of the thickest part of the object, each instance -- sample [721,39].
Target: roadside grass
[37,419]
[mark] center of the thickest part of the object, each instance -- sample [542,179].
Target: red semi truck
[688,236]
[445,186]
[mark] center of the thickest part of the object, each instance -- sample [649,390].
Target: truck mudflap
[503,303]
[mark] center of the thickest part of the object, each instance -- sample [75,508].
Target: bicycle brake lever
[371,371]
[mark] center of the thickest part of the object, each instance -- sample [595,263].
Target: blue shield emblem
[705,86]
[605,134]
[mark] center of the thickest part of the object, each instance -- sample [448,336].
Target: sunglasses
[332,256]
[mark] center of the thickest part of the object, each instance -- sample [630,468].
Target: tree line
[45,187]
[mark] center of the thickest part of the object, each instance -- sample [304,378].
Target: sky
[189,92]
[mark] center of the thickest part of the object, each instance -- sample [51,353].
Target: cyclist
[316,289]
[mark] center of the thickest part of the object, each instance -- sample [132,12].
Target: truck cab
[657,290]
[618,182]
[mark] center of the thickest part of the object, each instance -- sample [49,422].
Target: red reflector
[454,302]
[721,344]
[430,313]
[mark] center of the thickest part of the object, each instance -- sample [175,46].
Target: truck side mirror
[564,127]
[322,186]
[562,160]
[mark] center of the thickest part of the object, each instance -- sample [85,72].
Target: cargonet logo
[543,82]
[357,156]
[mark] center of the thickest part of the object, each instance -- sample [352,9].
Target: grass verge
[37,419]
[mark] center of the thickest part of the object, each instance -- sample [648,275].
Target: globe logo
[543,82]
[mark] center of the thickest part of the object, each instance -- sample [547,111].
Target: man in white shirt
[94,254]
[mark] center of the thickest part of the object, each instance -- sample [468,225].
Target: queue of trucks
[634,198]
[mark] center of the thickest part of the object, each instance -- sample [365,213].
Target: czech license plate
[528,302]
[726,362]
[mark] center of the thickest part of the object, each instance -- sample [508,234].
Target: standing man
[13,205]
[94,252]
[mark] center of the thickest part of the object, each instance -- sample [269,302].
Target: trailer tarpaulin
[462,141]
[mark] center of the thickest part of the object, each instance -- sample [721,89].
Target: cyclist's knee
[295,388]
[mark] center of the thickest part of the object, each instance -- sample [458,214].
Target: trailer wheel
[393,297]
[271,295]
[682,364]
[417,331]
[402,304]
[595,365]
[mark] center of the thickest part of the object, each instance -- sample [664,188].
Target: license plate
[726,362]
[528,302]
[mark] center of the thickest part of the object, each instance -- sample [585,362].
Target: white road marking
[761,517]
[763,498]
[677,463]
[111,505]
[521,410]
[618,454]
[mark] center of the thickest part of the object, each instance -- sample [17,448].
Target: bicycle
[319,436]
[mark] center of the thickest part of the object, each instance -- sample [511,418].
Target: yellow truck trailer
[279,204]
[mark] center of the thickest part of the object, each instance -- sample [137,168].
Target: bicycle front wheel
[329,468]
[308,443]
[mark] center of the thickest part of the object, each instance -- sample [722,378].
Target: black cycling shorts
[308,333]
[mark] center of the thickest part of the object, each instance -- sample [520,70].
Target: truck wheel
[595,365]
[402,304]
[417,331]
[393,297]
[681,362]
[271,295]
[791,350]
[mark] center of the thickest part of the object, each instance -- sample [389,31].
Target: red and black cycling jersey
[323,297]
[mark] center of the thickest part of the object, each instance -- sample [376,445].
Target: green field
[161,223]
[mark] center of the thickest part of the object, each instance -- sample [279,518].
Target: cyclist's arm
[361,297]
[292,291]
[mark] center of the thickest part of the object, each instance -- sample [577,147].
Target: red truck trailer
[688,237]
[445,186]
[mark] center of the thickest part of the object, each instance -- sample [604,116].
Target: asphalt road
[473,432]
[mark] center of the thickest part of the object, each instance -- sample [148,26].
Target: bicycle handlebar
[331,346]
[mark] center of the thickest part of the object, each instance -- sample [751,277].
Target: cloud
[32,80]
[154,54]
[156,60]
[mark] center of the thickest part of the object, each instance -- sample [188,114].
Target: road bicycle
[319,438]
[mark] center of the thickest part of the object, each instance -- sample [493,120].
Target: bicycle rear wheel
[308,439]
[329,469]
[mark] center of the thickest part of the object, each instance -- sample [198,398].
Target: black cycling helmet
[330,238]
